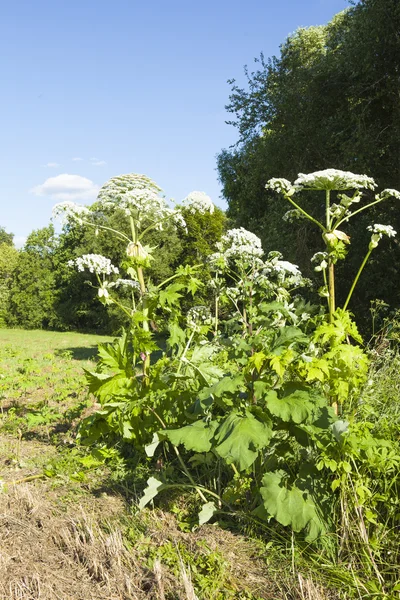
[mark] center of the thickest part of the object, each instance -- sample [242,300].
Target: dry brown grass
[50,554]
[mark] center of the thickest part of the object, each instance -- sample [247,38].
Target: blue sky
[95,88]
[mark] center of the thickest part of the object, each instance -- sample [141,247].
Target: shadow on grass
[79,352]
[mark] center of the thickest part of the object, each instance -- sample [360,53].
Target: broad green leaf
[196,437]
[153,487]
[104,386]
[289,335]
[240,438]
[260,388]
[277,365]
[290,506]
[258,359]
[201,360]
[296,407]
[227,384]
[207,511]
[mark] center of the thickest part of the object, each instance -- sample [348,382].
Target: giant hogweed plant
[241,391]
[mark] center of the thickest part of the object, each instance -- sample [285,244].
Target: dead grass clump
[49,556]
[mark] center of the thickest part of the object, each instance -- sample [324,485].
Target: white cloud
[52,165]
[67,187]
[76,158]
[98,163]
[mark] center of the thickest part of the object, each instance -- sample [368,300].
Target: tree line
[329,100]
[38,290]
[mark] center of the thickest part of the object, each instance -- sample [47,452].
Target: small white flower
[199,202]
[95,263]
[69,211]
[333,179]
[286,266]
[378,231]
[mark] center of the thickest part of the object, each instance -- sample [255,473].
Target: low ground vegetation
[69,524]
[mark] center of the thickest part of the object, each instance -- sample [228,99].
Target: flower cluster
[95,263]
[241,244]
[293,215]
[322,259]
[129,283]
[138,197]
[69,211]
[285,273]
[199,202]
[333,179]
[388,193]
[197,317]
[378,231]
[280,185]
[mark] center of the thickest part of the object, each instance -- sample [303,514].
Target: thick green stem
[331,266]
[331,287]
[327,209]
[216,315]
[145,308]
[364,262]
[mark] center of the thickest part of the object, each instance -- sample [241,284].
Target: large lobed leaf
[240,438]
[291,506]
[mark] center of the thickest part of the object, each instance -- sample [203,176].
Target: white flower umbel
[333,179]
[279,184]
[240,243]
[129,283]
[94,263]
[199,202]
[69,211]
[284,272]
[389,193]
[197,317]
[378,231]
[138,196]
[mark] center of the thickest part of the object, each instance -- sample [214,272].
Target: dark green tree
[331,99]
[33,289]
[5,237]
[8,263]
